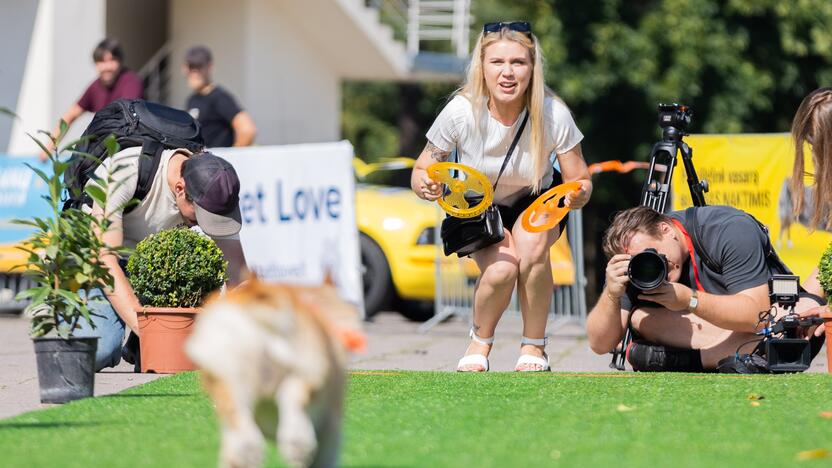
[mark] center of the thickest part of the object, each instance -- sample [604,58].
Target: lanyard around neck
[690,251]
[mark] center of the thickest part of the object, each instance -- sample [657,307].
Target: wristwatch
[694,300]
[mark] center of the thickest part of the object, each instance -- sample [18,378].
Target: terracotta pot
[827,324]
[162,332]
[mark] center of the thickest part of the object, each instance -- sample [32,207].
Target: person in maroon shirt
[114,82]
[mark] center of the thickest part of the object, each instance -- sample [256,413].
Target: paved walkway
[19,376]
[393,343]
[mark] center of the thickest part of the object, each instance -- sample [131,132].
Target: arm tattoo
[436,153]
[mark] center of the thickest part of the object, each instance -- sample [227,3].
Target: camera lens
[647,270]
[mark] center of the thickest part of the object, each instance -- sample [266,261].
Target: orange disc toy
[548,203]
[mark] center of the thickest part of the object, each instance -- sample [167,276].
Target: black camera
[785,350]
[675,115]
[647,270]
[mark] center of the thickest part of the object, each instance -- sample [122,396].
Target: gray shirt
[734,241]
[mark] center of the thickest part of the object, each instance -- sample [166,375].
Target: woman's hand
[577,199]
[426,188]
[422,185]
[574,169]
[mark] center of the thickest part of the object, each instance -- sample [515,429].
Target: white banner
[298,209]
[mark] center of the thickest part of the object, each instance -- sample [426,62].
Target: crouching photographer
[701,296]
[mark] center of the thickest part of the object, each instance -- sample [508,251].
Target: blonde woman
[504,83]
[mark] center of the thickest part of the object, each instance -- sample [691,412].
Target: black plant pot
[66,368]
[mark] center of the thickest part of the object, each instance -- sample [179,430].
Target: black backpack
[133,123]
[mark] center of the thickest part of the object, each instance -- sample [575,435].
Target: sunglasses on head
[518,26]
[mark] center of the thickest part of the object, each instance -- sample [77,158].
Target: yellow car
[398,245]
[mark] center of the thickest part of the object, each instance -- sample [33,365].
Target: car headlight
[392,224]
[427,236]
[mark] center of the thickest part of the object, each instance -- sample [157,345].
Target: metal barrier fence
[10,285]
[455,294]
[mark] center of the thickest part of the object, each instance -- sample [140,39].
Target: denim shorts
[109,328]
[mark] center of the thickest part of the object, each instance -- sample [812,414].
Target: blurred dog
[785,211]
[273,359]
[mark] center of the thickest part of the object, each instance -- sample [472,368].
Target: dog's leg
[295,432]
[328,427]
[242,442]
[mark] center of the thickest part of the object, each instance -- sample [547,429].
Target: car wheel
[418,311]
[375,272]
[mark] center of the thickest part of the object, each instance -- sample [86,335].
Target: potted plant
[825,279]
[172,272]
[63,263]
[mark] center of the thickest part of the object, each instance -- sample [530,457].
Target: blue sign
[21,196]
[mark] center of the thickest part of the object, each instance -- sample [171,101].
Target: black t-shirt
[734,241]
[214,111]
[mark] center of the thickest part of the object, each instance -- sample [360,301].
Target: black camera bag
[465,236]
[152,126]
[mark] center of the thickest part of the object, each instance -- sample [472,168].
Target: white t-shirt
[455,128]
[156,212]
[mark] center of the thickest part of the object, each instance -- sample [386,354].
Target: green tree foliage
[742,65]
[384,120]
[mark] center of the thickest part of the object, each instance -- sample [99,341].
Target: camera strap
[691,252]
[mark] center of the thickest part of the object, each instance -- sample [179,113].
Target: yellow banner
[749,172]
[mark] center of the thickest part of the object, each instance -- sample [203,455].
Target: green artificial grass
[447,419]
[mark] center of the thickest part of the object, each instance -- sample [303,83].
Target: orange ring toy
[548,203]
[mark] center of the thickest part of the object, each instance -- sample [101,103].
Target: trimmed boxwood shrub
[825,271]
[176,268]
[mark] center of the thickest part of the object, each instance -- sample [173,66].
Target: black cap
[212,183]
[198,57]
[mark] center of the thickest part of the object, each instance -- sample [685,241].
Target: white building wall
[283,59]
[261,56]
[17,23]
[58,66]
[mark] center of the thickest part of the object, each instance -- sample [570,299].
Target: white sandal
[475,359]
[528,359]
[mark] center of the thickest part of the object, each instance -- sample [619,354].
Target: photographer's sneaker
[648,357]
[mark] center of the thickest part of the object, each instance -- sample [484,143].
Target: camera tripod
[673,119]
[663,160]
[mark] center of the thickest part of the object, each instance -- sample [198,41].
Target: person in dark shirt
[697,316]
[113,82]
[222,120]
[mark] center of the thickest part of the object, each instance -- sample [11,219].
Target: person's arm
[812,285]
[606,322]
[122,297]
[232,250]
[422,185]
[737,243]
[806,307]
[69,116]
[244,129]
[574,169]
[121,186]
[738,312]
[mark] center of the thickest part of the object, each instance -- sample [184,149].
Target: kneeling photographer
[700,297]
